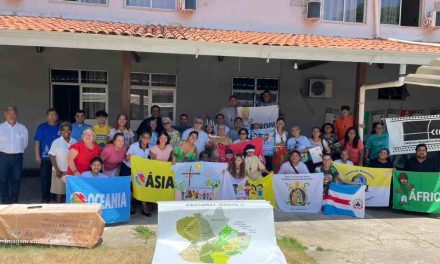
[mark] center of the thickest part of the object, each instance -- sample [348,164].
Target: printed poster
[268,136]
[265,116]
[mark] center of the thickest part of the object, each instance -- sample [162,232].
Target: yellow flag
[263,190]
[152,180]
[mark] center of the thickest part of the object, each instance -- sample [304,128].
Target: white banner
[406,133]
[216,232]
[266,116]
[299,192]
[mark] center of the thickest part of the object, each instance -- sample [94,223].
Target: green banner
[416,191]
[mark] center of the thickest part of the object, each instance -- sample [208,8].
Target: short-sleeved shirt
[286,168]
[353,153]
[77,130]
[201,141]
[46,134]
[375,143]
[60,150]
[136,150]
[128,135]
[112,158]
[330,175]
[163,155]
[102,135]
[298,143]
[341,126]
[85,155]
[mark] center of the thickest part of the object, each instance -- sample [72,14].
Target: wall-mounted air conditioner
[320,88]
[432,20]
[187,5]
[313,10]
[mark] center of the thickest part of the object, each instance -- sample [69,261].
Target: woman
[377,141]
[58,156]
[121,126]
[317,141]
[162,151]
[237,168]
[243,135]
[344,158]
[154,135]
[173,133]
[294,165]
[280,155]
[221,138]
[382,160]
[95,166]
[209,129]
[328,133]
[354,146]
[254,168]
[81,153]
[186,151]
[113,155]
[233,133]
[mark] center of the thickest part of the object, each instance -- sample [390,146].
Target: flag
[262,189]
[265,116]
[198,180]
[345,200]
[239,148]
[268,141]
[299,192]
[279,158]
[113,193]
[152,180]
[377,182]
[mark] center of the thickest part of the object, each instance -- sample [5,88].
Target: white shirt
[201,141]
[60,149]
[135,149]
[340,162]
[13,139]
[286,168]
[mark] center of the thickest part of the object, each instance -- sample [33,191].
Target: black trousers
[11,166]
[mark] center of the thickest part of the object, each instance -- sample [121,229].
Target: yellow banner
[152,180]
[372,177]
[263,190]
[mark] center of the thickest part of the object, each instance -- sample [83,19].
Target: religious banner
[407,132]
[377,182]
[416,191]
[239,149]
[198,180]
[112,193]
[345,200]
[220,232]
[299,192]
[264,116]
[268,136]
[152,180]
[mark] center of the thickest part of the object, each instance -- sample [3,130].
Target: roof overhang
[190,47]
[426,75]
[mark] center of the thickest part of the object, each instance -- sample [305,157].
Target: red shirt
[85,155]
[341,126]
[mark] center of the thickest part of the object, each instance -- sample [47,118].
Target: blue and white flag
[345,200]
[112,193]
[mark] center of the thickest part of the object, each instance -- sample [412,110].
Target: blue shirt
[298,143]
[77,130]
[46,134]
[375,143]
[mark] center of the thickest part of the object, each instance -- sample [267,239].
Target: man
[79,126]
[13,141]
[266,99]
[46,133]
[102,129]
[230,112]
[421,163]
[183,124]
[202,140]
[145,125]
[344,122]
[220,120]
[297,141]
[233,133]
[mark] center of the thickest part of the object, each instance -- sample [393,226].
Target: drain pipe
[399,82]
[376,9]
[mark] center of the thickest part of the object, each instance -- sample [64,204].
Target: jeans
[46,179]
[10,173]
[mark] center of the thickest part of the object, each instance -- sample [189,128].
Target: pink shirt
[162,155]
[111,157]
[353,153]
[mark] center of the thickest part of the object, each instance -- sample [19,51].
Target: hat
[249,148]
[101,113]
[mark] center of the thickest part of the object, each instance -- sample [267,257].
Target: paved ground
[384,236]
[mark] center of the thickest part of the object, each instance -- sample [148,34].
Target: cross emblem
[190,173]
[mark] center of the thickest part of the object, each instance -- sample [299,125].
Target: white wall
[254,15]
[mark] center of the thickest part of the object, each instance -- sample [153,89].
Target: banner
[279,158]
[247,189]
[345,200]
[268,136]
[113,193]
[407,132]
[416,191]
[265,116]
[331,115]
[153,180]
[377,182]
[239,148]
[299,192]
[198,180]
[232,232]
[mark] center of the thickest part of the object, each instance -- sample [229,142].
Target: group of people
[79,149]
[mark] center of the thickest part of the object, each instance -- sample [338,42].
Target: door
[65,100]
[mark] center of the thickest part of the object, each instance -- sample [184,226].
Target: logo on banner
[405,188]
[158,182]
[421,130]
[357,204]
[298,194]
[78,197]
[360,179]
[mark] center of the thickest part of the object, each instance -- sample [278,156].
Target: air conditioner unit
[187,5]
[320,88]
[313,10]
[432,20]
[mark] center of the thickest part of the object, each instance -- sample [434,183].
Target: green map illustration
[212,239]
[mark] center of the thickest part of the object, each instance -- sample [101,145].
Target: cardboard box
[77,225]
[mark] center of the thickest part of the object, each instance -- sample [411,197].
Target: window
[249,90]
[344,10]
[104,2]
[152,89]
[400,12]
[159,4]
